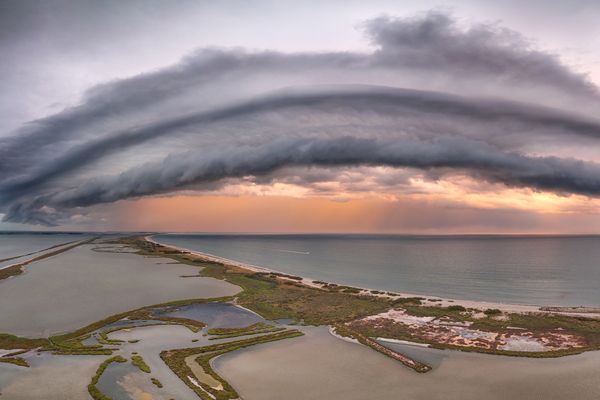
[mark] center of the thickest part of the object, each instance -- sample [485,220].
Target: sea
[535,270]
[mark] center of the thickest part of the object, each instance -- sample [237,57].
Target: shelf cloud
[432,95]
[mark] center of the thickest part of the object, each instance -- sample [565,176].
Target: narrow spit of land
[19,268]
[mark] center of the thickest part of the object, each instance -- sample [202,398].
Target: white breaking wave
[293,251]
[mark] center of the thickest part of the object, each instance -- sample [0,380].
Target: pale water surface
[81,286]
[19,247]
[320,366]
[216,315]
[521,270]
[16,244]
[49,377]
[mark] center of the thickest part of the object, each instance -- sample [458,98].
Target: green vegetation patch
[456,313]
[9,342]
[492,311]
[139,362]
[156,383]
[254,329]
[272,299]
[253,332]
[229,331]
[11,271]
[21,362]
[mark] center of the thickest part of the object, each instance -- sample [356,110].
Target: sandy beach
[434,300]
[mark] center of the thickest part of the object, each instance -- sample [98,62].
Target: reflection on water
[215,315]
[109,381]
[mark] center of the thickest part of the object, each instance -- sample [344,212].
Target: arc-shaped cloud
[446,153]
[348,99]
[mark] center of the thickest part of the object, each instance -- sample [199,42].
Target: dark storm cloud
[179,171]
[347,99]
[215,88]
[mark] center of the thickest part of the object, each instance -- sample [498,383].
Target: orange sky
[507,212]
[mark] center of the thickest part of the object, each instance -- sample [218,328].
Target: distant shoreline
[591,312]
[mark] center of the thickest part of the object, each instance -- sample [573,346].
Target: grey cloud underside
[420,99]
[347,99]
[446,153]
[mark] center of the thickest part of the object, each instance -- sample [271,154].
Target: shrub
[139,362]
[492,311]
[456,308]
[156,382]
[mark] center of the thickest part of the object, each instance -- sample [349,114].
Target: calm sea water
[520,270]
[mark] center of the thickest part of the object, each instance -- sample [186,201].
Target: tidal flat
[338,369]
[49,377]
[80,286]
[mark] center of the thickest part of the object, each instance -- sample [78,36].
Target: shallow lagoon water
[81,286]
[17,244]
[17,248]
[153,340]
[215,315]
[109,381]
[48,378]
[507,269]
[318,366]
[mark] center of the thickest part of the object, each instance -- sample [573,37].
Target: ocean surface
[539,270]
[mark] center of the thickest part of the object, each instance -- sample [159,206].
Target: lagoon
[320,366]
[81,286]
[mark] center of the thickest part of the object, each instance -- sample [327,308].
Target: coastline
[264,292]
[434,300]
